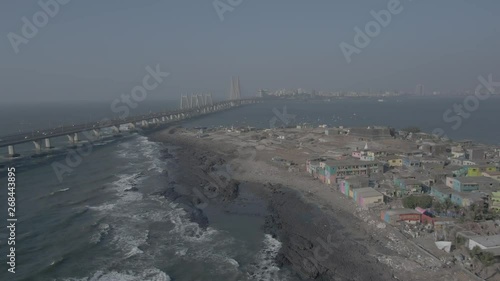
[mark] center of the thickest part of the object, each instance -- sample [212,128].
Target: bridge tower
[200,101]
[235,89]
[185,104]
[193,100]
[208,99]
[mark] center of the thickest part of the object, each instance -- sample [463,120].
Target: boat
[380,100]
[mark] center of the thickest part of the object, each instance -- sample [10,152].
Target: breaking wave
[266,267]
[152,274]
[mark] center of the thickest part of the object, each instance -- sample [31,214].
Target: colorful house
[364,155]
[312,167]
[462,184]
[441,192]
[495,201]
[411,162]
[395,162]
[400,215]
[367,157]
[368,197]
[356,154]
[461,172]
[359,190]
[426,216]
[346,185]
[466,184]
[408,186]
[473,171]
[343,169]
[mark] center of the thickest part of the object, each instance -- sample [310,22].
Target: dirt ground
[251,158]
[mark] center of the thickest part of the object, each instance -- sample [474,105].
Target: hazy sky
[98,49]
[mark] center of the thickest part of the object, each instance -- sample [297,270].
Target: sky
[98,50]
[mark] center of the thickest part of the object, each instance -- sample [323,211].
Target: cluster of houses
[461,172]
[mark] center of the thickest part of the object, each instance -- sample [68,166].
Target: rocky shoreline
[316,245]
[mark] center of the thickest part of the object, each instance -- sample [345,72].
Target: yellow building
[495,201]
[474,171]
[477,171]
[395,162]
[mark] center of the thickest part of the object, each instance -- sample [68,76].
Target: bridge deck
[106,123]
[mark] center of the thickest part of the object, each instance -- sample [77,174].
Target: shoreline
[324,235]
[314,239]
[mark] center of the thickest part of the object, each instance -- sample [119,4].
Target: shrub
[424,201]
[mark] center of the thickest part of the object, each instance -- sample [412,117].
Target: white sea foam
[129,238]
[188,230]
[134,251]
[102,230]
[266,267]
[130,216]
[101,208]
[152,274]
[181,252]
[60,190]
[145,150]
[233,262]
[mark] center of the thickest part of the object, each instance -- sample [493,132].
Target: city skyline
[98,50]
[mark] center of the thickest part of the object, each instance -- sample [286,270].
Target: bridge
[42,138]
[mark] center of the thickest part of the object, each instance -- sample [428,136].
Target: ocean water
[481,125]
[94,226]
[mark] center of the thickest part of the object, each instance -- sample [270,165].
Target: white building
[487,243]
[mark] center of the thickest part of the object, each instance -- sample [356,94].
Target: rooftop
[488,241]
[478,180]
[349,162]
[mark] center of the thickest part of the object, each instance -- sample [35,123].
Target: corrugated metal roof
[487,241]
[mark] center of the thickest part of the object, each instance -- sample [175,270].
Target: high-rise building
[419,91]
[235,93]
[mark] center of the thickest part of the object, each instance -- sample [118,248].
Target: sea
[106,219]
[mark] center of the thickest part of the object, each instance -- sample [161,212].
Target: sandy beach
[324,236]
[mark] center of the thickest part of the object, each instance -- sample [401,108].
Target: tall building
[419,91]
[235,93]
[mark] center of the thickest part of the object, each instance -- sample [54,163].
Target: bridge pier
[47,143]
[12,151]
[38,145]
[73,139]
